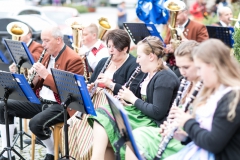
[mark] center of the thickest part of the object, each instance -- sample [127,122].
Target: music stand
[19,53]
[73,93]
[3,58]
[138,31]
[16,87]
[225,34]
[123,127]
[21,56]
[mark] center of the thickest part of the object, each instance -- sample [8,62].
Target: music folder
[3,58]
[122,123]
[138,31]
[19,53]
[68,83]
[225,34]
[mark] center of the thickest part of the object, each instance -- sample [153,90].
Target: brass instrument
[18,29]
[104,26]
[237,24]
[174,6]
[77,31]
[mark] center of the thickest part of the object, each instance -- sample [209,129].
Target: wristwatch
[111,86]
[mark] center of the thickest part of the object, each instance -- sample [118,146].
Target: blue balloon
[152,11]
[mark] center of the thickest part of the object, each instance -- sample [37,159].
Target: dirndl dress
[105,118]
[148,140]
[80,134]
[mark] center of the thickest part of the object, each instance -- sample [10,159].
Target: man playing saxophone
[59,56]
[187,30]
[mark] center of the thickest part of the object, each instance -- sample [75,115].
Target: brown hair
[153,44]
[120,39]
[216,53]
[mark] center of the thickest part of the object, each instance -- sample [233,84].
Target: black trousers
[42,116]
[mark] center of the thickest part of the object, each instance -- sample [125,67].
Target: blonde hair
[185,49]
[93,28]
[216,53]
[153,44]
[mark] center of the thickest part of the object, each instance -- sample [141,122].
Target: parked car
[35,22]
[23,10]
[59,15]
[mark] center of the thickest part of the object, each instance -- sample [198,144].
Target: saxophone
[173,126]
[31,77]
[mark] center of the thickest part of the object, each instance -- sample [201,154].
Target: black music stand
[225,34]
[138,31]
[19,53]
[16,87]
[123,127]
[21,56]
[73,93]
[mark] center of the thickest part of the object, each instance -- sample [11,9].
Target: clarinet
[179,95]
[133,76]
[102,71]
[185,107]
[30,79]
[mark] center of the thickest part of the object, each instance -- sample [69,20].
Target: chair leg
[33,145]
[56,142]
[25,125]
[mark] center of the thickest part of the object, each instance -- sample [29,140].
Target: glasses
[146,40]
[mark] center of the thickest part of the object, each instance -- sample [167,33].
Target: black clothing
[224,138]
[122,75]
[161,92]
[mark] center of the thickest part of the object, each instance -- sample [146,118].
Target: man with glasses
[187,30]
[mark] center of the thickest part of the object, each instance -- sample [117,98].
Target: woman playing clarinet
[214,127]
[110,73]
[148,138]
[158,89]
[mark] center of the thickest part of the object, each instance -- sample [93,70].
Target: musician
[158,89]
[198,10]
[187,30]
[34,47]
[117,73]
[121,65]
[224,15]
[214,126]
[49,112]
[93,48]
[148,138]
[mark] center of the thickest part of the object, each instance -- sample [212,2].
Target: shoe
[49,157]
[4,158]
[37,141]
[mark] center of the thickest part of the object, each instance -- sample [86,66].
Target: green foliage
[211,20]
[80,8]
[236,45]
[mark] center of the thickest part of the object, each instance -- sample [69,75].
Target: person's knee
[34,125]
